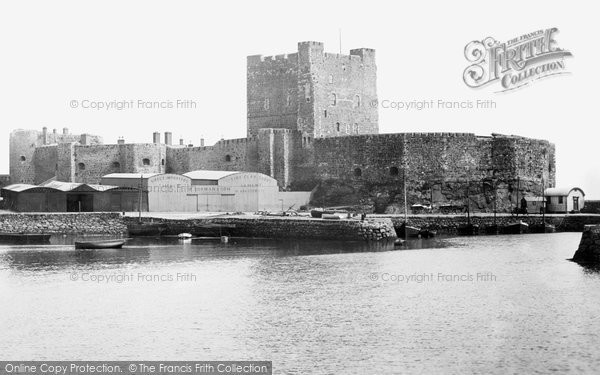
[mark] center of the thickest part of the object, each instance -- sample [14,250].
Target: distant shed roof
[561,192]
[130,175]
[19,187]
[209,175]
[534,199]
[58,185]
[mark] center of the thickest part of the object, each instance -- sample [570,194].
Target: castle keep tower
[317,93]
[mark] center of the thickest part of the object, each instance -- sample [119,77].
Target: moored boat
[518,227]
[408,231]
[104,244]
[24,238]
[542,228]
[467,229]
[491,229]
[399,242]
[316,212]
[427,233]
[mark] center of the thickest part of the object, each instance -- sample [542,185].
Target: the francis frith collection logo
[515,63]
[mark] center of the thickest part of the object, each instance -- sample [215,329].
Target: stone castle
[312,126]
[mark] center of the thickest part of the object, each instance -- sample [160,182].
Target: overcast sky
[55,52]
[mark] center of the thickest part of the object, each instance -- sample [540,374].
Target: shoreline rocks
[589,247]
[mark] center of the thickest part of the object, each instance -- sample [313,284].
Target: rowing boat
[106,244]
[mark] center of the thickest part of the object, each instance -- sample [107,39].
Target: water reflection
[310,306]
[62,254]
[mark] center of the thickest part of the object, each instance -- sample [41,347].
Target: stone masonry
[310,126]
[589,247]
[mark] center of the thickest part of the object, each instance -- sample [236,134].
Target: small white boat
[184,236]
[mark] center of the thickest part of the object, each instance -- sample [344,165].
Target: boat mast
[543,204]
[495,200]
[405,203]
[140,199]
[468,203]
[518,188]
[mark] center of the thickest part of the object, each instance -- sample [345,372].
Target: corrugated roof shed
[130,175]
[19,187]
[58,185]
[209,175]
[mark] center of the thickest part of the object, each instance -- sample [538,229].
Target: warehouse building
[56,196]
[209,191]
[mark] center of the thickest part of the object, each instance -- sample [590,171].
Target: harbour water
[488,304]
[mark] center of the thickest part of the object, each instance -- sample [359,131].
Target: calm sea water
[497,304]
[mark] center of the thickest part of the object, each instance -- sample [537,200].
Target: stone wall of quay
[591,207]
[449,223]
[63,223]
[274,227]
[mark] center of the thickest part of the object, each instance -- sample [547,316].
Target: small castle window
[146,161]
[288,100]
[330,78]
[394,171]
[357,172]
[337,126]
[227,158]
[333,99]
[116,165]
[81,166]
[23,158]
[325,113]
[357,101]
[162,162]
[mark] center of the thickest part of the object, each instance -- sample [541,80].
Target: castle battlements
[309,126]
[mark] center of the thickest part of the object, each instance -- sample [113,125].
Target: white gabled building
[564,200]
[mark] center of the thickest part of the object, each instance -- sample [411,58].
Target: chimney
[121,141]
[181,141]
[168,138]
[45,135]
[201,142]
[83,139]
[65,131]
[156,138]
